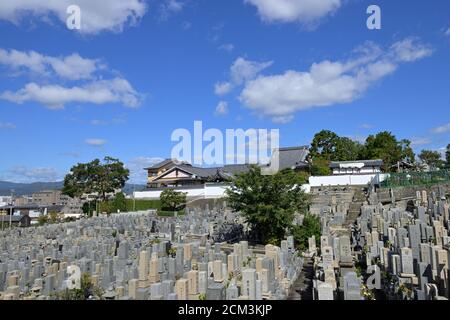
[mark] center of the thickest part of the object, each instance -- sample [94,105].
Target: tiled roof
[367,163]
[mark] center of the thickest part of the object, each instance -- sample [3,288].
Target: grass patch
[142,205]
[163,213]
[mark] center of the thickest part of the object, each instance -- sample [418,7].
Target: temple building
[172,173]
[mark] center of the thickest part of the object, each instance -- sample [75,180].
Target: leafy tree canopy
[96,177]
[447,156]
[172,200]
[432,158]
[329,146]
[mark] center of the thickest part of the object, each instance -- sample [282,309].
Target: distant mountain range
[21,189]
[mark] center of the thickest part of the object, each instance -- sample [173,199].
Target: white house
[356,167]
[350,173]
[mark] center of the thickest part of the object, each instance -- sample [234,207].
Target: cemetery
[384,244]
[394,251]
[140,256]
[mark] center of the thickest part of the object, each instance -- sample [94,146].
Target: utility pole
[11,208]
[134,199]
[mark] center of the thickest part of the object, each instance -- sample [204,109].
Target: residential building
[50,197]
[23,200]
[5,200]
[356,167]
[17,220]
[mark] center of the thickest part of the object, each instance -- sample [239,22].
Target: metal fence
[394,180]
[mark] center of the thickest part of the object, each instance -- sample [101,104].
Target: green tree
[119,203]
[329,146]
[324,145]
[172,200]
[309,228]
[432,158]
[53,216]
[346,150]
[42,219]
[447,156]
[320,167]
[268,203]
[96,177]
[383,146]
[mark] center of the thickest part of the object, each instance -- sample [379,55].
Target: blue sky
[138,71]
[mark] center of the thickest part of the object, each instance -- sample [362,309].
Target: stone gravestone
[352,287]
[325,291]
[345,251]
[407,261]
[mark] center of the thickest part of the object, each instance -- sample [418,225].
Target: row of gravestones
[126,260]
[405,254]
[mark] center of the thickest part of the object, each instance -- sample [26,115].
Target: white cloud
[72,67]
[27,175]
[303,11]
[227,47]
[95,142]
[96,15]
[222,88]
[410,50]
[91,86]
[222,108]
[416,142]
[326,83]
[447,33]
[442,129]
[241,71]
[169,7]
[117,90]
[7,125]
[366,126]
[137,165]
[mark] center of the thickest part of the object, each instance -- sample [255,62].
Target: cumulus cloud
[442,129]
[72,67]
[222,108]
[7,125]
[117,90]
[327,83]
[137,165]
[95,142]
[303,11]
[241,70]
[27,175]
[91,86]
[96,15]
